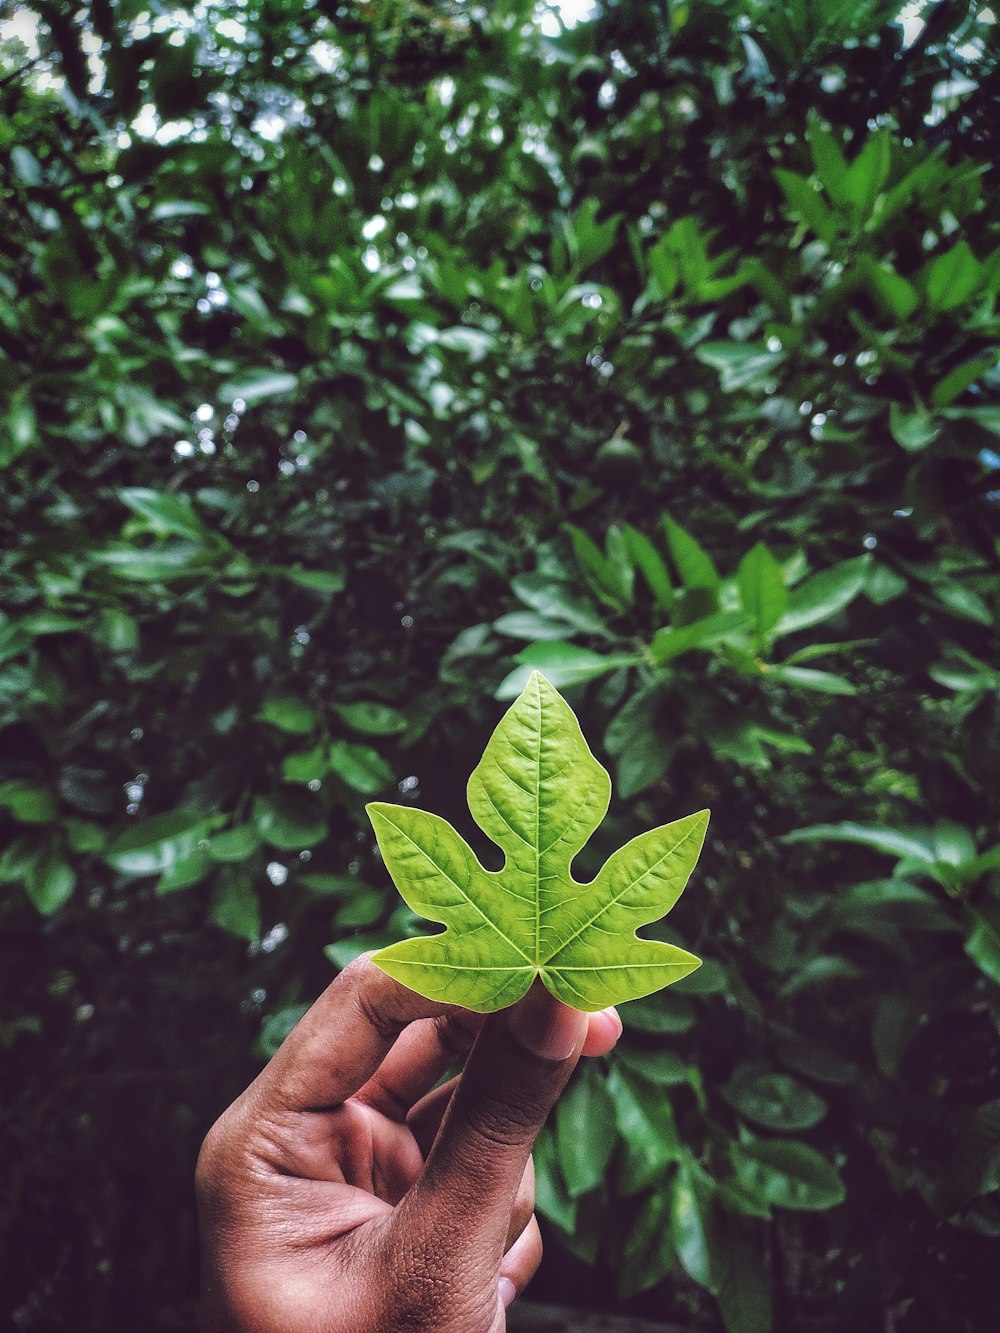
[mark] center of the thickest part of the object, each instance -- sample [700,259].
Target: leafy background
[355,359]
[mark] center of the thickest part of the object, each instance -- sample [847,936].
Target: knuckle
[456,1032]
[498,1123]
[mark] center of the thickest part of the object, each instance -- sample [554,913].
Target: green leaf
[693,1224]
[776,1101]
[895,842]
[804,678]
[552,1198]
[258,385]
[539,794]
[691,560]
[650,565]
[663,1068]
[234,844]
[824,595]
[973,1165]
[49,881]
[787,1174]
[564,664]
[648,1254]
[276,1028]
[585,1131]
[955,383]
[371,718]
[646,1127]
[660,1013]
[867,174]
[360,767]
[951,278]
[310,765]
[983,947]
[235,905]
[292,715]
[169,515]
[157,843]
[762,588]
[965,602]
[182,874]
[288,822]
[745,1295]
[671,642]
[27,803]
[912,431]
[316,580]
[807,204]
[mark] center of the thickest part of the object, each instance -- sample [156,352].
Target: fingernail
[547,1027]
[614,1017]
[507,1291]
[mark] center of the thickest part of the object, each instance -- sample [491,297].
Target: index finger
[340,1042]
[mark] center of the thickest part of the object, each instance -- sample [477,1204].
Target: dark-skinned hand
[344,1192]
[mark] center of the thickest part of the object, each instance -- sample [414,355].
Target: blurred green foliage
[357,359]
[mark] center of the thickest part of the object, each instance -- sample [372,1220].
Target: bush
[358,361]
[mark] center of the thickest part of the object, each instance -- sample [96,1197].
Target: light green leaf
[539,794]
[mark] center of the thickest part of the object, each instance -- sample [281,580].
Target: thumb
[519,1065]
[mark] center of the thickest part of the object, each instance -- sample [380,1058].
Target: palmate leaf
[539,793]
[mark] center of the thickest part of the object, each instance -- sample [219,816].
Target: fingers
[425,1051]
[424,1120]
[339,1044]
[516,1071]
[603,1031]
[520,1263]
[524,1206]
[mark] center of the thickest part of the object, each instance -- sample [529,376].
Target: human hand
[344,1193]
